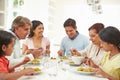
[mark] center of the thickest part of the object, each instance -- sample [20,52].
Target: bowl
[77,59]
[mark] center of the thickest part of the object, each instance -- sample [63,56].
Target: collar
[14,34]
[77,33]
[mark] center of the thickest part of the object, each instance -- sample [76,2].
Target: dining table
[62,70]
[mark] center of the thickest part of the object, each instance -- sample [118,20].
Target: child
[7,41]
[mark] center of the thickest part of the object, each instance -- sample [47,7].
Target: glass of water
[52,67]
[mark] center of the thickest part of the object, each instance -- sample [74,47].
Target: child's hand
[29,71]
[26,59]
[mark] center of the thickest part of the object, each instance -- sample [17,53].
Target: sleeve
[116,73]
[86,50]
[47,41]
[86,42]
[2,68]
[62,45]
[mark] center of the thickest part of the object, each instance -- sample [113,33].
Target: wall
[82,13]
[53,13]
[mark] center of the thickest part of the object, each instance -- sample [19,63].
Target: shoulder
[27,39]
[83,36]
[2,59]
[46,39]
[65,38]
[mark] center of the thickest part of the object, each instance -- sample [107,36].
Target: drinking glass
[52,67]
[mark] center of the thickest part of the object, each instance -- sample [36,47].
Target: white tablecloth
[61,75]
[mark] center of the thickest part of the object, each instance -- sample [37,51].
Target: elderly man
[20,29]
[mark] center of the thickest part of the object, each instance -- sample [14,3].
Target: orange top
[4,63]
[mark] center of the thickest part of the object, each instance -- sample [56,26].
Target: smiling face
[94,37]
[39,30]
[22,32]
[70,31]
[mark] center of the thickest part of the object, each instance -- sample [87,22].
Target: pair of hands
[72,50]
[35,52]
[27,71]
[96,68]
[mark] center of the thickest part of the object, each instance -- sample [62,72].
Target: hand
[29,51]
[60,53]
[74,52]
[37,52]
[26,59]
[99,71]
[29,71]
[89,62]
[47,52]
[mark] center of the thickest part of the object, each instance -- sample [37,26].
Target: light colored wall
[53,13]
[82,13]
[63,9]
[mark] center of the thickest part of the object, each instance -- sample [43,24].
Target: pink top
[29,42]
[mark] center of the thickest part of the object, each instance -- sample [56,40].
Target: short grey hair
[20,21]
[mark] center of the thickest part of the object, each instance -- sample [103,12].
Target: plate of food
[37,70]
[35,62]
[83,70]
[71,63]
[64,58]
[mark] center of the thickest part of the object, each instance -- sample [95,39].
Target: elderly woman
[94,50]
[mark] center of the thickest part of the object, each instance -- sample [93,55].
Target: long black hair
[110,35]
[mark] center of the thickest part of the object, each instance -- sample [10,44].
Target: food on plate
[37,69]
[53,58]
[84,69]
[35,61]
[71,62]
[75,55]
[64,58]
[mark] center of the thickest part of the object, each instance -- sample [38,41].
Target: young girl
[110,64]
[6,47]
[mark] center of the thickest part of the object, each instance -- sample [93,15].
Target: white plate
[81,72]
[30,66]
[37,63]
[33,62]
[74,64]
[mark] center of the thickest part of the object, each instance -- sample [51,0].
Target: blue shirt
[79,43]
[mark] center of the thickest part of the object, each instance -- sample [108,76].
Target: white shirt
[94,52]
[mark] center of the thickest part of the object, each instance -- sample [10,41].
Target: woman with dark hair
[36,43]
[110,64]
[94,50]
